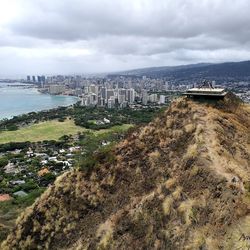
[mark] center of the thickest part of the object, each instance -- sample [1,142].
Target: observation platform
[206,91]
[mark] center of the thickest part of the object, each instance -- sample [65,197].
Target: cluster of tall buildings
[108,92]
[152,98]
[96,95]
[36,79]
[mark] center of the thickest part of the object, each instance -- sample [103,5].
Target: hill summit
[181,182]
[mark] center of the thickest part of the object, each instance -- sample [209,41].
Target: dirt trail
[221,163]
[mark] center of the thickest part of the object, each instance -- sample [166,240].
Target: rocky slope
[182,182]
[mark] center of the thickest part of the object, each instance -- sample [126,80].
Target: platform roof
[220,92]
[208,90]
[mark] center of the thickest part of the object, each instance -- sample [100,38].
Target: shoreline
[19,111]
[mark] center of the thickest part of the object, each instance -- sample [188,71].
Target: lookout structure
[206,91]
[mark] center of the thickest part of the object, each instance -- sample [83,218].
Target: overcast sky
[86,36]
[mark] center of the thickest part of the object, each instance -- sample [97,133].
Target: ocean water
[19,100]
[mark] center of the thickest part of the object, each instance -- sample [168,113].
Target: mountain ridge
[214,71]
[181,182]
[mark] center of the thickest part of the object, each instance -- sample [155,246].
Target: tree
[3,162]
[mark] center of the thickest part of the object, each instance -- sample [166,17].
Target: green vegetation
[50,130]
[103,154]
[10,210]
[3,162]
[115,129]
[87,117]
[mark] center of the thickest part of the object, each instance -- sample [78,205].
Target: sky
[92,36]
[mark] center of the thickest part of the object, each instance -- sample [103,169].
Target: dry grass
[239,235]
[170,183]
[105,233]
[167,204]
[154,157]
[194,171]
[190,128]
[192,152]
[170,122]
[177,193]
[186,211]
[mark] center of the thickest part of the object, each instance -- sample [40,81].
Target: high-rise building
[93,89]
[153,98]
[28,78]
[104,93]
[121,98]
[101,101]
[85,101]
[123,104]
[93,99]
[144,97]
[162,99]
[110,93]
[43,79]
[111,102]
[39,80]
[130,95]
[33,78]
[166,86]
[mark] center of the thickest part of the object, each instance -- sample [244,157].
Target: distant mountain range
[219,71]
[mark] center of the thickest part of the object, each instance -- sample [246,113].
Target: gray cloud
[100,35]
[76,20]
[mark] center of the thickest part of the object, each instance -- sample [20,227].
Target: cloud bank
[80,36]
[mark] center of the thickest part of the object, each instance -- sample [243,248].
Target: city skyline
[79,37]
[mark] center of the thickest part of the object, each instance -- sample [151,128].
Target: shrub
[61,119]
[12,127]
[103,155]
[87,163]
[3,162]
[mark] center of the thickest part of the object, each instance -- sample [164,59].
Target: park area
[50,130]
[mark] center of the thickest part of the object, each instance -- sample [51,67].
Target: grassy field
[115,129]
[50,130]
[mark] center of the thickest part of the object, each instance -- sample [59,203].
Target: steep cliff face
[181,182]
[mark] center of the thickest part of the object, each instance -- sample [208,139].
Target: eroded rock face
[181,182]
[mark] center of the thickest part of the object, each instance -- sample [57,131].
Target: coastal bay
[16,100]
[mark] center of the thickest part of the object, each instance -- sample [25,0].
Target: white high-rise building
[121,98]
[166,86]
[162,99]
[153,98]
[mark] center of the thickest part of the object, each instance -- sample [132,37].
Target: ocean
[16,100]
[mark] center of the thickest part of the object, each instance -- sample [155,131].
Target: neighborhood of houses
[33,168]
